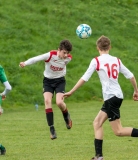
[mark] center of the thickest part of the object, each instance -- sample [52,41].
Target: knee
[96,124]
[47,102]
[118,133]
[59,103]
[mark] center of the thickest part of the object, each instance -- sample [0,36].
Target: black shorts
[112,108]
[56,85]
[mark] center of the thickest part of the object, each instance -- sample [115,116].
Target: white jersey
[108,68]
[54,66]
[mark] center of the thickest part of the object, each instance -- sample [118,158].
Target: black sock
[65,115]
[134,133]
[49,116]
[98,147]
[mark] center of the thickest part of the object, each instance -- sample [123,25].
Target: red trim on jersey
[118,61]
[54,52]
[69,56]
[98,64]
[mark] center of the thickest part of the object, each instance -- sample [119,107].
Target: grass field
[25,134]
[30,28]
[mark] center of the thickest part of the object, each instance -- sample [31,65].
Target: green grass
[25,134]
[29,28]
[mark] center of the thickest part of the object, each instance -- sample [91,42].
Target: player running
[108,68]
[54,81]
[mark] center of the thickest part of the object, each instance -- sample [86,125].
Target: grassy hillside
[29,28]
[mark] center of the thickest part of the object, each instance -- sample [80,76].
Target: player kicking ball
[54,81]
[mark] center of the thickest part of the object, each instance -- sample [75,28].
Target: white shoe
[97,158]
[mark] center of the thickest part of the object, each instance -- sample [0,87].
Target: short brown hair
[66,45]
[103,43]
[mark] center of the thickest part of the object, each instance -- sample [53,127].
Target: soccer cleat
[52,133]
[68,122]
[97,158]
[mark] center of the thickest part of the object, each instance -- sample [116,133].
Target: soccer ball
[83,31]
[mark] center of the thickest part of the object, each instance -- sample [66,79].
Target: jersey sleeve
[69,58]
[41,57]
[3,77]
[90,70]
[125,71]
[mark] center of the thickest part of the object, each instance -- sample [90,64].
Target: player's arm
[83,79]
[3,79]
[6,90]
[78,85]
[134,84]
[129,75]
[35,59]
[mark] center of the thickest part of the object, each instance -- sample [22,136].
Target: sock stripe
[48,110]
[65,111]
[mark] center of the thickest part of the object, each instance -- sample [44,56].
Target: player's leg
[98,131]
[61,104]
[123,131]
[48,94]
[97,124]
[114,118]
[48,108]
[60,89]
[49,114]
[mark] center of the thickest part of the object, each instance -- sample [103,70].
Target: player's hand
[22,64]
[135,96]
[68,94]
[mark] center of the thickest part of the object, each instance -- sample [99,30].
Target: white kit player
[54,81]
[108,68]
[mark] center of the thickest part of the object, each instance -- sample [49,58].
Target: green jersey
[3,77]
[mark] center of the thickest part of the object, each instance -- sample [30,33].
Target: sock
[98,147]
[49,116]
[65,115]
[134,133]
